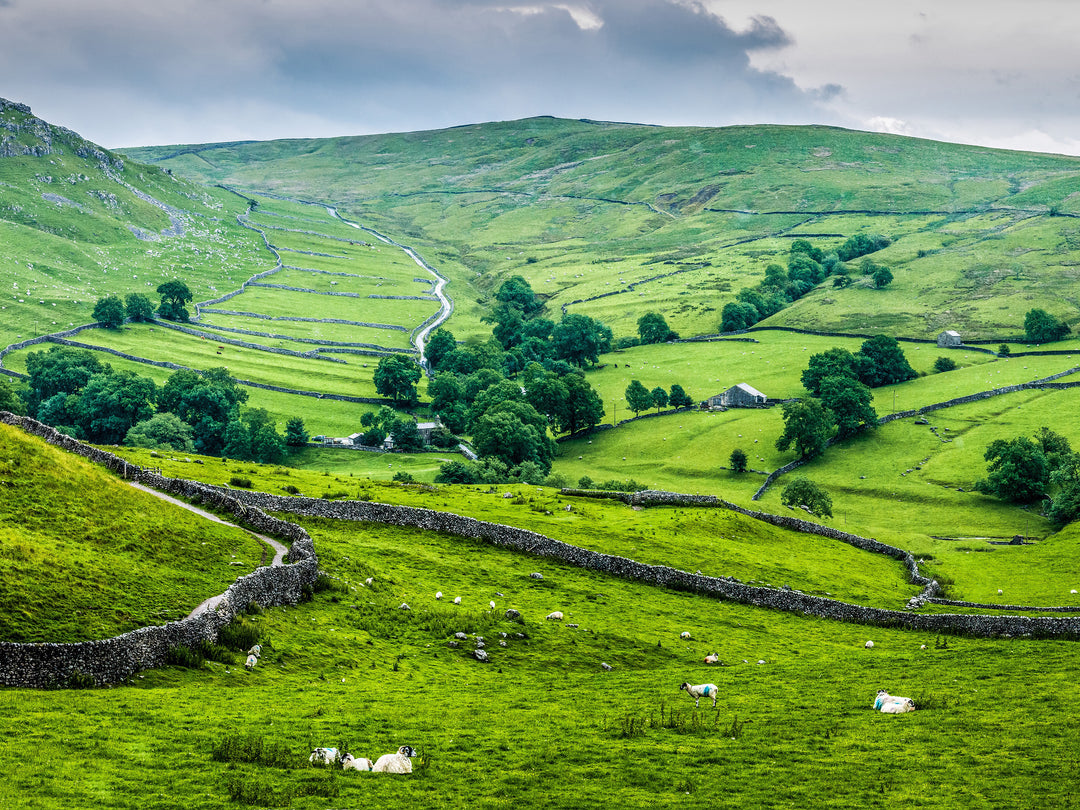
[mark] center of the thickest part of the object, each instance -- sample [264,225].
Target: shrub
[944,364]
[802,492]
[585,482]
[404,477]
[237,481]
[239,635]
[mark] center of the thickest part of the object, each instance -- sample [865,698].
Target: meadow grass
[85,556]
[542,720]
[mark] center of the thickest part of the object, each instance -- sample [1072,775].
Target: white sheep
[491,605]
[869,645]
[699,691]
[555,616]
[349,762]
[457,600]
[684,634]
[368,581]
[324,756]
[256,651]
[712,658]
[892,704]
[252,660]
[438,594]
[395,763]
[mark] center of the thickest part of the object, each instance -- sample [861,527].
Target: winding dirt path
[279,550]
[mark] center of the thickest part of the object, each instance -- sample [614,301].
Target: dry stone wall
[115,659]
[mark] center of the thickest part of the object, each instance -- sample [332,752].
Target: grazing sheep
[324,756]
[712,658]
[368,581]
[869,645]
[699,691]
[355,763]
[395,763]
[555,616]
[491,605]
[256,651]
[892,704]
[457,600]
[438,594]
[684,634]
[252,660]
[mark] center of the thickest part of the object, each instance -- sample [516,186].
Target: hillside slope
[615,220]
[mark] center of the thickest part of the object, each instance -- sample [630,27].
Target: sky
[146,72]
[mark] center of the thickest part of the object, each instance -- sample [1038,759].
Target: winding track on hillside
[279,550]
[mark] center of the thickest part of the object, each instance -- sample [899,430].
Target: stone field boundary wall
[115,659]
[539,545]
[112,660]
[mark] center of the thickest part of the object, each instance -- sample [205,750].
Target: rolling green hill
[678,219]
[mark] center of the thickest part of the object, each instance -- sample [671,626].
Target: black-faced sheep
[701,690]
[324,756]
[395,763]
[349,762]
[892,704]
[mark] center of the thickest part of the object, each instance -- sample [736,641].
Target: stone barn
[949,339]
[738,396]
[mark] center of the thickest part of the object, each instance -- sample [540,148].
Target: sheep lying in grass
[712,658]
[324,756]
[699,691]
[349,762]
[891,704]
[395,763]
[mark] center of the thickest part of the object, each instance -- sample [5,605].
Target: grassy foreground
[543,723]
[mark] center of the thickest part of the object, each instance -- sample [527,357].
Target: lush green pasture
[85,556]
[543,718]
[370,310]
[331,332]
[365,286]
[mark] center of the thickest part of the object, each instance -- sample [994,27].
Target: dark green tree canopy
[1042,327]
[396,377]
[652,328]
[807,425]
[861,244]
[885,362]
[162,431]
[112,403]
[580,340]
[296,434]
[659,398]
[174,296]
[440,344]
[517,292]
[638,397]
[110,311]
[139,307]
[679,397]
[60,370]
[738,461]
[835,362]
[1018,470]
[849,402]
[802,492]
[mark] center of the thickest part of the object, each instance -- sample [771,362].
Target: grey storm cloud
[324,67]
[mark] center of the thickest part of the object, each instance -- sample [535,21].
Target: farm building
[738,396]
[949,339]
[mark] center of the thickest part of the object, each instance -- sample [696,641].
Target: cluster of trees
[76,393]
[640,398]
[509,392]
[1042,327]
[839,384]
[175,295]
[1024,470]
[807,267]
[404,431]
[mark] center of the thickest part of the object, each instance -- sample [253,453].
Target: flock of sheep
[398,762]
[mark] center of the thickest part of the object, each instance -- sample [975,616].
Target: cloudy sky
[139,72]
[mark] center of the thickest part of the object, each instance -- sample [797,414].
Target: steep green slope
[593,213]
[84,556]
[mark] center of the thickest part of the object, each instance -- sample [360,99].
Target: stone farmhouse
[949,339]
[742,395]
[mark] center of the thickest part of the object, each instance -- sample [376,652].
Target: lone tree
[638,397]
[807,425]
[738,461]
[296,434]
[139,307]
[652,328]
[882,277]
[802,492]
[1042,327]
[1018,470]
[396,377]
[174,295]
[944,364]
[110,311]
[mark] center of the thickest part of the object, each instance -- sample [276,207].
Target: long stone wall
[115,659]
[716,587]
